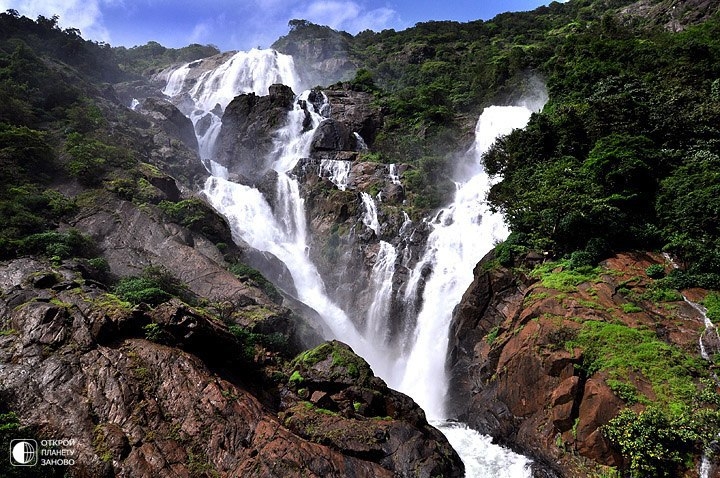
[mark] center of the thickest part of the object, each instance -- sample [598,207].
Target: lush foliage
[155,286]
[659,443]
[625,154]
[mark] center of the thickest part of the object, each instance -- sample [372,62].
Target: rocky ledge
[542,360]
[173,391]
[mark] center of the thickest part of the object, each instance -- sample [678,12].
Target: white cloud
[200,32]
[345,15]
[84,15]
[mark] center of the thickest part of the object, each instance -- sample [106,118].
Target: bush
[659,443]
[62,245]
[138,290]
[655,271]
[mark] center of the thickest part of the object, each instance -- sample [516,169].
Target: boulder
[248,123]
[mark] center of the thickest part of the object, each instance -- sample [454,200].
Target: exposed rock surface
[672,15]
[355,109]
[171,120]
[514,378]
[78,363]
[320,53]
[249,122]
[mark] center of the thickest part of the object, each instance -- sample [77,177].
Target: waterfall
[706,466]
[338,172]
[393,174]
[461,234]
[370,218]
[203,98]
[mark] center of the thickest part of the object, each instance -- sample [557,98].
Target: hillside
[134,319]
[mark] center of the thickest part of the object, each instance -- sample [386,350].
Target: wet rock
[171,120]
[248,123]
[183,401]
[355,412]
[514,377]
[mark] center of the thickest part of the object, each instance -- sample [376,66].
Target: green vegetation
[660,443]
[655,271]
[155,286]
[274,341]
[245,272]
[562,276]
[620,350]
[680,417]
[712,304]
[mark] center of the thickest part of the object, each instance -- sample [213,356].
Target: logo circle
[23,452]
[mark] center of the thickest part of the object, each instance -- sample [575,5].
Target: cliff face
[172,391]
[520,373]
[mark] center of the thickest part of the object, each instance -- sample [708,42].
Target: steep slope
[545,361]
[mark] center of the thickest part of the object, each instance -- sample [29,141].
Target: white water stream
[461,234]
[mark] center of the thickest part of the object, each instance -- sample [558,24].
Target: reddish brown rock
[516,377]
[77,364]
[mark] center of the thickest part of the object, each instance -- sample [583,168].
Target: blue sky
[244,24]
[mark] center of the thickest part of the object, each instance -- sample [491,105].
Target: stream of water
[461,234]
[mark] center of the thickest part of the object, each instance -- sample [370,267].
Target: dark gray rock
[249,121]
[171,120]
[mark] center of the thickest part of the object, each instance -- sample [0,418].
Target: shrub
[655,271]
[138,290]
[155,286]
[658,443]
[58,244]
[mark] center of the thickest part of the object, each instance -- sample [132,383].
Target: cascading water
[370,218]
[461,234]
[338,172]
[211,92]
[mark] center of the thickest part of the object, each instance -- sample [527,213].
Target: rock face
[514,378]
[355,110]
[248,123]
[185,400]
[672,16]
[171,120]
[348,407]
[320,53]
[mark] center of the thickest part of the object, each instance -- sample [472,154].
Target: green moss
[296,378]
[630,308]
[560,276]
[619,350]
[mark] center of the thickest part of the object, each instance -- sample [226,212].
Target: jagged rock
[332,135]
[171,120]
[355,109]
[77,366]
[245,139]
[513,377]
[355,412]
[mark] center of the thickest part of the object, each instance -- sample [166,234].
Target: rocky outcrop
[321,54]
[673,16]
[248,123]
[336,399]
[355,109]
[516,376]
[170,392]
[171,120]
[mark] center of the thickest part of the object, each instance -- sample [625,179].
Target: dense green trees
[625,154]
